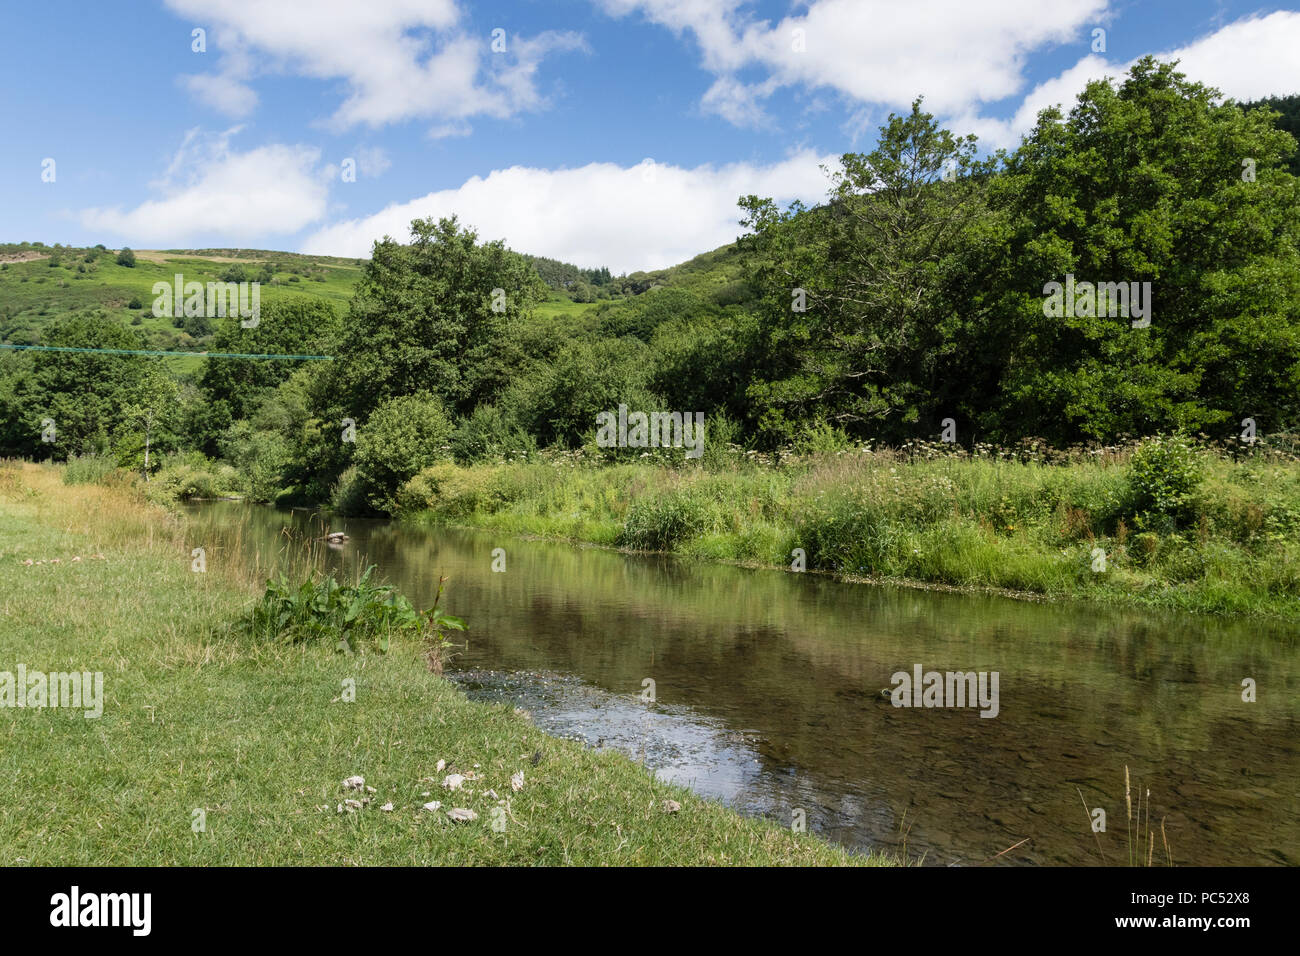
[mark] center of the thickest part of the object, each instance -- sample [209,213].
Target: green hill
[38,283]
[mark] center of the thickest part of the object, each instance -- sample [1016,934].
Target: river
[767,694]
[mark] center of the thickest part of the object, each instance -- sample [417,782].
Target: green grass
[33,293]
[199,715]
[983,522]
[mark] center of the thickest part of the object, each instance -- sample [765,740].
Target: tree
[151,404]
[297,326]
[434,315]
[83,393]
[1287,118]
[1144,182]
[856,293]
[126,257]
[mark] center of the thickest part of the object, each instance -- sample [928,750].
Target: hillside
[38,283]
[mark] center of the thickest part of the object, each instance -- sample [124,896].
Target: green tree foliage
[126,257]
[565,276]
[857,315]
[297,326]
[86,394]
[558,402]
[1287,109]
[150,416]
[402,436]
[1144,183]
[434,315]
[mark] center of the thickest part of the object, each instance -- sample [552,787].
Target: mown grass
[199,715]
[1014,524]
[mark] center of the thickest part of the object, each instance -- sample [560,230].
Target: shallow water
[767,694]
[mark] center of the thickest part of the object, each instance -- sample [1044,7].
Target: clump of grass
[89,470]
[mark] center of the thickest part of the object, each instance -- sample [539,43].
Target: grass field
[199,717]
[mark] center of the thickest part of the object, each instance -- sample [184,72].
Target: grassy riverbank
[199,716]
[1176,525]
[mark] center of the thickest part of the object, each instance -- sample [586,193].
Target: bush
[401,437]
[662,522]
[260,456]
[348,496]
[126,258]
[1163,475]
[450,490]
[488,435]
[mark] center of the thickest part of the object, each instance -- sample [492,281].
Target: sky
[614,133]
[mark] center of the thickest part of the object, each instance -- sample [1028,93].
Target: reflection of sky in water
[678,744]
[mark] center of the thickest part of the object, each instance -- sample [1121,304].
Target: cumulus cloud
[224,92]
[646,216]
[400,60]
[1246,59]
[212,192]
[956,53]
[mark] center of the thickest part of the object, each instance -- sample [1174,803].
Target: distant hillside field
[39,283]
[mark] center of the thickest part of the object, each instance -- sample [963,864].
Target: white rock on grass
[387,807]
[354,783]
[435,805]
[517,780]
[671,806]
[461,815]
[453,781]
[440,766]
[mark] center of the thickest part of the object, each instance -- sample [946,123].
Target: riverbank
[1196,532]
[216,749]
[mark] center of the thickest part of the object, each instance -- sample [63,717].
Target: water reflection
[768,697]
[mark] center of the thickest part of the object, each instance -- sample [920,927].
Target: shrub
[260,456]
[348,496]
[487,435]
[402,436]
[1163,475]
[126,258]
[449,490]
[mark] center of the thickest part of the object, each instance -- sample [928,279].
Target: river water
[767,694]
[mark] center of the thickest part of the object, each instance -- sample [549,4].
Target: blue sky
[606,132]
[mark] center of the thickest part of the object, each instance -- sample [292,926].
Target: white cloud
[956,53]
[213,193]
[373,161]
[400,59]
[647,216]
[223,92]
[1247,59]
[1059,91]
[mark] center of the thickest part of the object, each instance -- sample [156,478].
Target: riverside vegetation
[1165,522]
[232,733]
[827,348]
